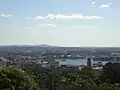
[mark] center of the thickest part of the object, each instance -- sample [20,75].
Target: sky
[60,22]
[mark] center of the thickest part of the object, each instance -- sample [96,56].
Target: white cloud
[29,17]
[39,17]
[93,3]
[105,5]
[47,25]
[5,15]
[68,17]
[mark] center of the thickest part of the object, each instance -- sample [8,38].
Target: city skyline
[60,23]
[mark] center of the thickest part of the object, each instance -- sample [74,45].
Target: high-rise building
[89,63]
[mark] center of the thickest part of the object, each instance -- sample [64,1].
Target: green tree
[111,73]
[73,79]
[15,79]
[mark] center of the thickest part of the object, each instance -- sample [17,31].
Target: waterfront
[78,62]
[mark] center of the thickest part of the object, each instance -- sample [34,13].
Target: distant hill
[44,45]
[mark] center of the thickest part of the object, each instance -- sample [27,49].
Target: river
[78,62]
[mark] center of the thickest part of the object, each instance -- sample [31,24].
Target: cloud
[93,3]
[6,15]
[47,25]
[105,5]
[39,17]
[29,17]
[68,17]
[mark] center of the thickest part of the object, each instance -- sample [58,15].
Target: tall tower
[89,63]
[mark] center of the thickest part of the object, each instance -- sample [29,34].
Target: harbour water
[78,62]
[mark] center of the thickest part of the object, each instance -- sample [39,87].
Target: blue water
[79,62]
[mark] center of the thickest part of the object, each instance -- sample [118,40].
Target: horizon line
[56,45]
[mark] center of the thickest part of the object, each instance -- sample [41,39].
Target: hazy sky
[60,22]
